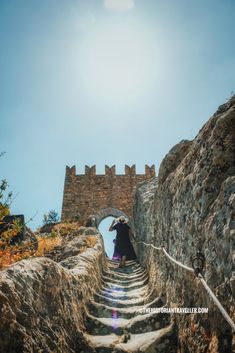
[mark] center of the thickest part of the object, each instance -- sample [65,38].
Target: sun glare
[117,62]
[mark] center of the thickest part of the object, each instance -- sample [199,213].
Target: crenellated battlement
[88,193]
[129,170]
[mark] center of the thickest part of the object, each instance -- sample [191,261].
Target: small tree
[4,203]
[5,198]
[7,230]
[50,217]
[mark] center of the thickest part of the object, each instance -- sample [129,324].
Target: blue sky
[101,82]
[108,237]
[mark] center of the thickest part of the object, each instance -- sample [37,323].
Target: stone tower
[102,195]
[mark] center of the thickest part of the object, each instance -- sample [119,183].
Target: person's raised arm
[111,227]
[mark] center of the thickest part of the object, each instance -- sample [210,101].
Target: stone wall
[191,207]
[43,300]
[92,194]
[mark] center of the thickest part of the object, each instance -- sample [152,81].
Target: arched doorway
[104,219]
[106,212]
[108,237]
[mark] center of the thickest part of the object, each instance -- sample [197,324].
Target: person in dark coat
[123,244]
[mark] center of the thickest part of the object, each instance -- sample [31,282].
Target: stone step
[124,282]
[132,267]
[126,286]
[123,273]
[119,303]
[128,267]
[140,323]
[114,273]
[119,293]
[102,310]
[113,276]
[115,321]
[108,259]
[115,264]
[160,341]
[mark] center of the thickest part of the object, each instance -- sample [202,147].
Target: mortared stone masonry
[101,195]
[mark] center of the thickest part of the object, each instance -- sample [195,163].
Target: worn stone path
[113,323]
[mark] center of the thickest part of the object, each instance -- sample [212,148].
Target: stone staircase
[113,321]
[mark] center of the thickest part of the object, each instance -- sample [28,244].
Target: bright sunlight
[118,61]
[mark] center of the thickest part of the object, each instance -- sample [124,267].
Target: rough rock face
[42,302]
[191,208]
[73,301]
[143,211]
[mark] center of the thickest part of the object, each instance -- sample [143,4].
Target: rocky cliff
[43,300]
[191,207]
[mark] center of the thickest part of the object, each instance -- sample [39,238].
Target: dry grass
[46,244]
[12,254]
[8,257]
[66,229]
[91,241]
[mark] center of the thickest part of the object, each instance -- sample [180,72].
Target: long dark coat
[123,244]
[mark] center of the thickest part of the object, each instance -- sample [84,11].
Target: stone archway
[106,212]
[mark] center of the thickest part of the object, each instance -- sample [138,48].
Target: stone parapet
[89,193]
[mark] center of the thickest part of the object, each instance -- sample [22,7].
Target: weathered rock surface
[73,301]
[42,302]
[191,207]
